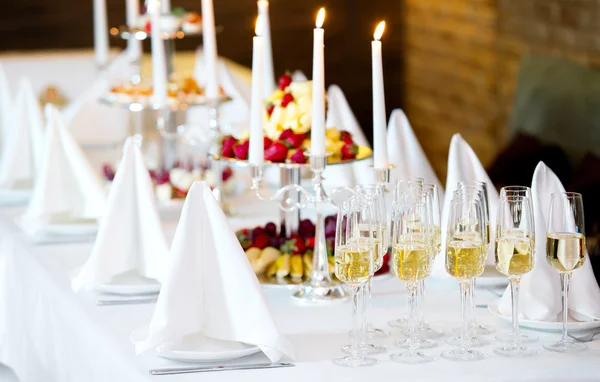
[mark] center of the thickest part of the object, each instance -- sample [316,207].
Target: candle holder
[293,197]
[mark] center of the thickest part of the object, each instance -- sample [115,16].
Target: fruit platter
[278,260]
[287,123]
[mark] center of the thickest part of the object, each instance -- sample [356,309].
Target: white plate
[74,229]
[198,348]
[129,284]
[14,197]
[491,278]
[552,326]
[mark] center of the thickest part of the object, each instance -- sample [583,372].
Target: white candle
[100,33]
[165,6]
[209,49]
[379,128]
[317,133]
[256,155]
[159,62]
[132,11]
[269,85]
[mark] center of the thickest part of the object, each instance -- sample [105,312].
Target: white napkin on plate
[234,115]
[464,166]
[66,188]
[540,293]
[340,116]
[130,237]
[210,287]
[22,142]
[93,123]
[406,152]
[6,108]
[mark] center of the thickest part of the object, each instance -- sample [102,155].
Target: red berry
[349,151]
[295,246]
[227,146]
[161,177]
[270,109]
[310,242]
[271,229]
[285,133]
[261,241]
[226,174]
[285,81]
[346,137]
[298,157]
[306,228]
[277,152]
[241,150]
[293,141]
[148,26]
[109,173]
[266,142]
[287,98]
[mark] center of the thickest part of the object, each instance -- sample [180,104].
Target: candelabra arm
[287,204]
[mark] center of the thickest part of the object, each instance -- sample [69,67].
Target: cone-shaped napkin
[210,287]
[130,237]
[23,142]
[540,293]
[299,76]
[6,108]
[66,189]
[91,122]
[464,166]
[340,116]
[406,152]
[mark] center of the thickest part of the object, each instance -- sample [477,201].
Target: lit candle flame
[258,27]
[379,30]
[320,18]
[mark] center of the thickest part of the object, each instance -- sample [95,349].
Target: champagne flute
[411,262]
[465,259]
[565,252]
[515,257]
[354,265]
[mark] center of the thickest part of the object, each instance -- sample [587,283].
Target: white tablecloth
[48,333]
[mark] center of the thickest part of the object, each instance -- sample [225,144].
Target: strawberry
[241,150]
[293,141]
[148,26]
[226,174]
[277,152]
[160,177]
[298,157]
[285,81]
[261,241]
[346,137]
[287,98]
[109,173]
[227,146]
[349,151]
[270,108]
[285,133]
[270,229]
[310,242]
[267,142]
[294,246]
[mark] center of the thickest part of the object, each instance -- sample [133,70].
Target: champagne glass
[565,252]
[465,259]
[515,257]
[354,265]
[516,191]
[411,262]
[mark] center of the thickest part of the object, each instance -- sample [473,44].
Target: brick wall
[462,58]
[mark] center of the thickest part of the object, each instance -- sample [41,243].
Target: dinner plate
[14,197]
[198,348]
[551,326]
[129,284]
[491,278]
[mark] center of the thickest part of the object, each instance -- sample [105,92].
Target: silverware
[586,338]
[130,301]
[202,369]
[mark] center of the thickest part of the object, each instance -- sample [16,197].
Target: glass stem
[412,320]
[367,303]
[357,332]
[515,283]
[420,299]
[565,279]
[471,307]
[465,291]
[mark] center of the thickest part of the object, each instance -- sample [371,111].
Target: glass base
[477,330]
[320,291]
[463,355]
[472,341]
[354,361]
[426,332]
[566,346]
[363,349]
[411,357]
[524,338]
[373,333]
[401,323]
[518,351]
[422,343]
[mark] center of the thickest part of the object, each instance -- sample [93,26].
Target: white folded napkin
[406,152]
[340,116]
[299,76]
[210,287]
[22,142]
[6,108]
[66,188]
[234,115]
[93,123]
[540,293]
[130,237]
[464,166]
